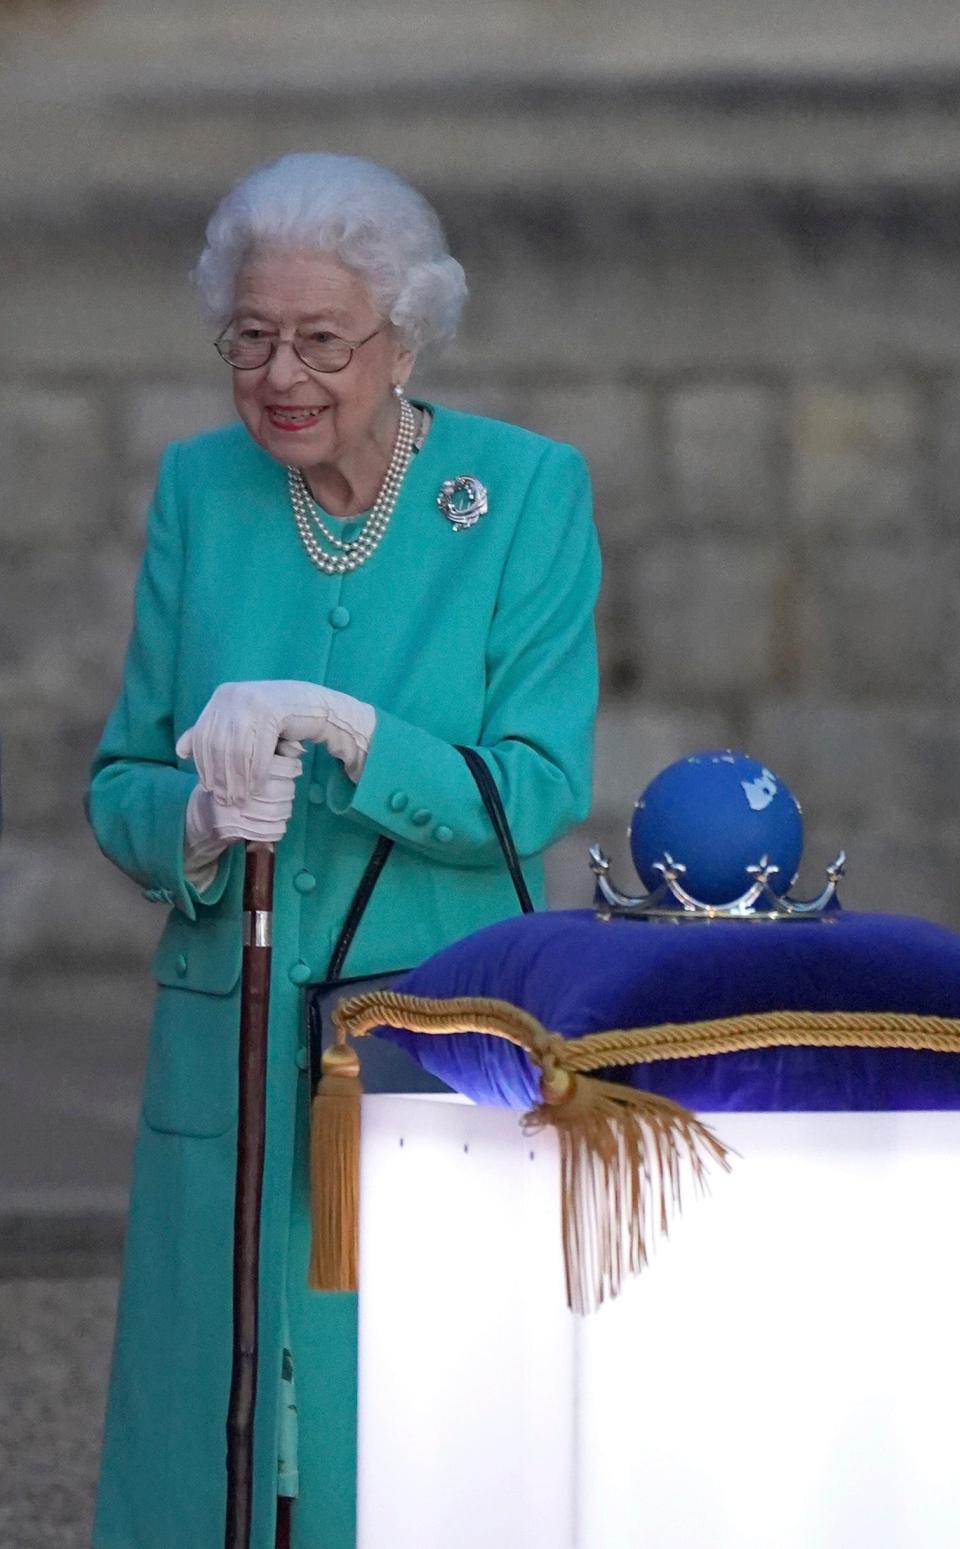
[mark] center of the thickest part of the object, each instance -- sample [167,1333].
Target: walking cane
[251,1130]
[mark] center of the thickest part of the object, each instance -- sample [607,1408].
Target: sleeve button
[316,795]
[421,816]
[442,834]
[398,801]
[180,965]
[303,1058]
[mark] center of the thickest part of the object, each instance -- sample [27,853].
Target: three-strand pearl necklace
[350,554]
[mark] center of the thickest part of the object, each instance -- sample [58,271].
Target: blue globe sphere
[718,813]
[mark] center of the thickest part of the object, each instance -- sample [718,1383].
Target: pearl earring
[398,390]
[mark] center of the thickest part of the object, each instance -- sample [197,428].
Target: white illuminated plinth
[785,1375]
[466,1346]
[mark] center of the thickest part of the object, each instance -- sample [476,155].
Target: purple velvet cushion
[579,975]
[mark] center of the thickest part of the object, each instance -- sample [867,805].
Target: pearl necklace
[354,552]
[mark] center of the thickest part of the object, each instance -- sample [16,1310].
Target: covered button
[180,964]
[316,795]
[442,834]
[304,881]
[299,972]
[398,801]
[339,617]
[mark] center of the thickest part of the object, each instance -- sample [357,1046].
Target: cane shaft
[251,1133]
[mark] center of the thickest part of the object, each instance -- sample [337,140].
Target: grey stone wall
[766,382]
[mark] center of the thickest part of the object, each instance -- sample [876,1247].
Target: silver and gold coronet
[671,901]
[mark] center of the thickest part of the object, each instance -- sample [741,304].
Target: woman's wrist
[202,847]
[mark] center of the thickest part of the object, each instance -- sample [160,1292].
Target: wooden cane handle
[258,876]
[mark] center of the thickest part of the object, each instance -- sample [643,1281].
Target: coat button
[339,617]
[398,801]
[299,972]
[421,816]
[304,881]
[303,1059]
[316,795]
[442,834]
[180,964]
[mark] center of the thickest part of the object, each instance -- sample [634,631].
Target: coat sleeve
[137,799]
[541,699]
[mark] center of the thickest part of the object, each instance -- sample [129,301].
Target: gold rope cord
[360,1014]
[621,1149]
[765,1030]
[639,1045]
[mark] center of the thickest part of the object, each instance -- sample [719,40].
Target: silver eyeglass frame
[351,345]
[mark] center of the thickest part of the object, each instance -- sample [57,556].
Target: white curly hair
[367,217]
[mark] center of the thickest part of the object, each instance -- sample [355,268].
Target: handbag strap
[374,866]
[492,801]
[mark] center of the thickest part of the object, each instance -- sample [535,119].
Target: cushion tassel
[335,1173]
[620,1158]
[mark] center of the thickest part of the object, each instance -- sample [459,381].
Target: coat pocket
[191,1079]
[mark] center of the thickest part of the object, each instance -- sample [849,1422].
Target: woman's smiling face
[306,418]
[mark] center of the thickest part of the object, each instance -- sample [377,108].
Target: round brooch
[463,501]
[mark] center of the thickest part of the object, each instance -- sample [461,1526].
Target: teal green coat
[482,637]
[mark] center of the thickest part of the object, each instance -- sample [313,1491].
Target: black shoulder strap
[490,796]
[361,898]
[491,799]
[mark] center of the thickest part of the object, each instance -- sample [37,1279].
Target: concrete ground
[55,1339]
[69,1087]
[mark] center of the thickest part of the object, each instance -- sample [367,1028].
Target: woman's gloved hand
[210,826]
[237,733]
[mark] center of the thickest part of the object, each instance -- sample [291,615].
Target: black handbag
[384,1067]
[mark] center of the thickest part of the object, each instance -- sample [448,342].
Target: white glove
[237,733]
[210,826]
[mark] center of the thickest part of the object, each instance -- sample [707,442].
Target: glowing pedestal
[466,1346]
[783,1376]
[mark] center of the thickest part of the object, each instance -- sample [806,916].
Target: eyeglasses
[250,348]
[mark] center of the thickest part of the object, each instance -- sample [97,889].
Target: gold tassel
[335,1173]
[621,1151]
[620,1160]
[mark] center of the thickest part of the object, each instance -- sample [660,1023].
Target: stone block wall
[769,398]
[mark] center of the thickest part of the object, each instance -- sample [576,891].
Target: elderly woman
[314,634]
